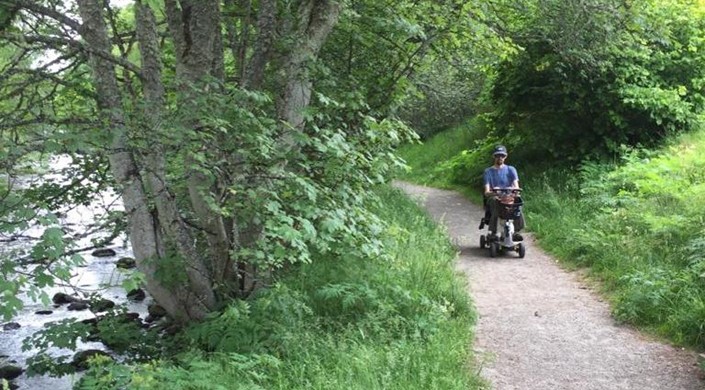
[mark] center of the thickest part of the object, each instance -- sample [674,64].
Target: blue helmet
[499,150]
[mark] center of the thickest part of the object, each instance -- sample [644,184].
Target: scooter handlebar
[504,191]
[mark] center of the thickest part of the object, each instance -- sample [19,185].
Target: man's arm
[487,188]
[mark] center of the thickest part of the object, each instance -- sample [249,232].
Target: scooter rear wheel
[483,241]
[522,251]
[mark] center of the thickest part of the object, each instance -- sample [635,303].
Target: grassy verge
[429,161]
[398,323]
[637,224]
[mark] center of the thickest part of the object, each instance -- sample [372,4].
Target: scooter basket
[510,208]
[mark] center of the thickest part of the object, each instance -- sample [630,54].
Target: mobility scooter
[509,202]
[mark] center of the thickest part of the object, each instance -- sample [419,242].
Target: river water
[99,275]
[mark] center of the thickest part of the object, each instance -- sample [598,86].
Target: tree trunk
[266,30]
[316,20]
[195,28]
[184,303]
[231,29]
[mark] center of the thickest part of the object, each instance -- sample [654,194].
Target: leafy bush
[450,158]
[468,167]
[623,75]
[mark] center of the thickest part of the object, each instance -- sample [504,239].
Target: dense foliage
[429,67]
[244,140]
[590,76]
[227,163]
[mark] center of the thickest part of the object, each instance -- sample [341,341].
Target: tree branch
[37,8]
[57,43]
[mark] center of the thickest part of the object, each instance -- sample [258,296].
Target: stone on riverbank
[10,371]
[78,306]
[136,295]
[102,305]
[80,359]
[11,326]
[103,252]
[126,263]
[156,311]
[62,298]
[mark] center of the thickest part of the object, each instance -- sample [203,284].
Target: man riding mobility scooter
[502,207]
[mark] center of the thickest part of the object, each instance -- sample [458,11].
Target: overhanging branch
[57,43]
[37,8]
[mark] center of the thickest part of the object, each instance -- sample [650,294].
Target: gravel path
[541,327]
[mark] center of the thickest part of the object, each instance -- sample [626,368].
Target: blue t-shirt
[502,177]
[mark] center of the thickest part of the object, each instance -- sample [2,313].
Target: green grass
[426,157]
[429,161]
[402,322]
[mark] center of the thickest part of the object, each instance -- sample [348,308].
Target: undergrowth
[402,322]
[432,161]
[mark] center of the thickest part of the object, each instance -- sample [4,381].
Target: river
[98,275]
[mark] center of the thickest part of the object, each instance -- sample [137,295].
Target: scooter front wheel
[522,251]
[483,241]
[494,249]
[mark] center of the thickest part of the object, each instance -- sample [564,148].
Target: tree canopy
[241,136]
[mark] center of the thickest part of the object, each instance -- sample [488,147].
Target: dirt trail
[540,327]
